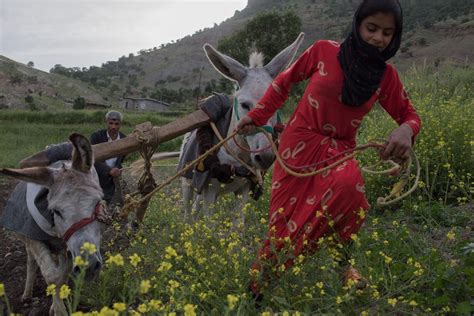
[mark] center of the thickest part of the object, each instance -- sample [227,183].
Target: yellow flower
[119,307]
[392,301]
[189,310]
[51,289]
[173,285]
[105,311]
[117,260]
[2,289]
[375,235]
[64,292]
[362,213]
[320,285]
[376,294]
[265,314]
[154,304]
[80,262]
[142,308]
[88,248]
[164,266]
[413,303]
[338,300]
[364,313]
[231,300]
[170,252]
[145,286]
[135,260]
[451,235]
[296,270]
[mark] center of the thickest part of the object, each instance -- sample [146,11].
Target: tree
[268,33]
[30,64]
[79,103]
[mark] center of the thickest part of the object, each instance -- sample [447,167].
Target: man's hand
[246,125]
[399,144]
[115,172]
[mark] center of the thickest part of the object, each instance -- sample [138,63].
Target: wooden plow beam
[153,134]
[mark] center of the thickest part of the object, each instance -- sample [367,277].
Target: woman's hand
[246,125]
[399,144]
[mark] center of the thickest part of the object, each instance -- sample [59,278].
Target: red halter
[83,222]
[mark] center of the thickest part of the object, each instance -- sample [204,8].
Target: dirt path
[13,268]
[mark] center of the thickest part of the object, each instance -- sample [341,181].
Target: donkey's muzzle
[91,270]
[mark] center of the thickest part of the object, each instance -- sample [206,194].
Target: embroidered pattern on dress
[321,70]
[276,88]
[313,102]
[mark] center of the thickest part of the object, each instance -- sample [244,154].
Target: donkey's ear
[82,157]
[40,175]
[284,58]
[227,66]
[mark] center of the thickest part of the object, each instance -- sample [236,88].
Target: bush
[79,103]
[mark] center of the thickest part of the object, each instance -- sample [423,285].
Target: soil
[13,269]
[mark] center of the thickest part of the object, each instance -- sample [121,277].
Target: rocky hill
[436,31]
[23,87]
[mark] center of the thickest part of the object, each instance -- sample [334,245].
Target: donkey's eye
[246,106]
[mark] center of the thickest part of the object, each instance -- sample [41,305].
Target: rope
[235,156]
[132,202]
[146,183]
[382,201]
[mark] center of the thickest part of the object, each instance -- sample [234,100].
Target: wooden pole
[127,145]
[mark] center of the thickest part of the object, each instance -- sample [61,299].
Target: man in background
[109,171]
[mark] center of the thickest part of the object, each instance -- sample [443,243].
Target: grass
[24,133]
[418,255]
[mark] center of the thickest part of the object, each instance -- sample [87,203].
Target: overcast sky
[81,33]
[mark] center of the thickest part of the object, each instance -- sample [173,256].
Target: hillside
[436,32]
[23,87]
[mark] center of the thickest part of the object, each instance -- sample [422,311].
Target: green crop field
[417,255]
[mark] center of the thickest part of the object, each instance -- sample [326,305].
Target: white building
[144,104]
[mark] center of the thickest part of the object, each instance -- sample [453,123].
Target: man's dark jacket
[106,181]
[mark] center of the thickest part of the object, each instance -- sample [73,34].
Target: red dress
[305,209]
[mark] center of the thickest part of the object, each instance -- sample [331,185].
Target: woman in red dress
[345,80]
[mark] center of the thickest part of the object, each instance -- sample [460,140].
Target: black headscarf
[363,64]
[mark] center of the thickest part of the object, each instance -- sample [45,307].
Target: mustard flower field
[417,255]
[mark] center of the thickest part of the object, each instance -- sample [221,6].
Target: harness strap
[83,222]
[32,190]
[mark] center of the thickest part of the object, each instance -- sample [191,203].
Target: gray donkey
[55,211]
[252,82]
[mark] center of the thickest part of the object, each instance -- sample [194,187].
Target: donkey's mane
[256,60]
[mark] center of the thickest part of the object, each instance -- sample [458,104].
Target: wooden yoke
[155,135]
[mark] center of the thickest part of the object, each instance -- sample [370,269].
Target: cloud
[75,30]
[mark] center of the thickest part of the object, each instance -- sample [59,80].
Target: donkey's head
[252,82]
[75,198]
